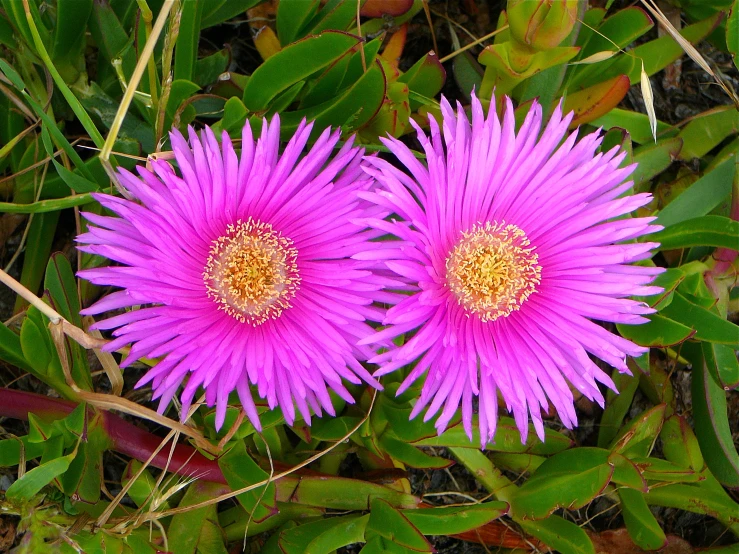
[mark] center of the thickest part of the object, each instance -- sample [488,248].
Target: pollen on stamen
[492,270]
[252,272]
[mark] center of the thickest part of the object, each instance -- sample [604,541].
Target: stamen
[252,272]
[493,270]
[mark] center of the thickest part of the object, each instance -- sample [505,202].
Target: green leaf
[180,91]
[335,14]
[60,282]
[292,64]
[351,110]
[507,439]
[708,326]
[340,493]
[701,197]
[468,76]
[410,455]
[425,77]
[656,54]
[387,522]
[234,116]
[637,124]
[661,331]
[709,230]
[570,479]
[240,471]
[333,428]
[82,480]
[732,32]
[74,181]
[639,435]
[695,499]
[328,84]
[314,536]
[62,287]
[451,520]
[38,351]
[186,49]
[143,488]
[711,420]
[192,531]
[208,69]
[722,363]
[626,473]
[69,28]
[12,75]
[41,235]
[653,159]
[643,528]
[45,206]
[10,451]
[662,471]
[680,445]
[34,480]
[707,130]
[617,406]
[622,28]
[560,534]
[615,32]
[11,350]
[218,11]
[292,17]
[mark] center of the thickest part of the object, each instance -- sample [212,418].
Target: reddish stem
[125,437]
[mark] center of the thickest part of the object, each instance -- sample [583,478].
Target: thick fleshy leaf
[643,527]
[701,197]
[708,326]
[570,479]
[292,64]
[709,230]
[639,435]
[708,130]
[659,332]
[711,420]
[390,524]
[451,520]
[597,100]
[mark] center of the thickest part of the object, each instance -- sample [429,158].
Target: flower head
[242,268]
[513,242]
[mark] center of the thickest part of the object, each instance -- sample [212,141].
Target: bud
[541,24]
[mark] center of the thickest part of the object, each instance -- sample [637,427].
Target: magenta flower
[513,242]
[242,268]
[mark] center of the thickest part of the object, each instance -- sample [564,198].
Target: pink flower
[513,242]
[242,268]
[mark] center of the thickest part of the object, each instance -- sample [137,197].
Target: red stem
[125,437]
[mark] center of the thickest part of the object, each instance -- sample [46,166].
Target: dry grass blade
[472,44]
[689,49]
[110,402]
[133,84]
[597,57]
[103,518]
[111,368]
[646,90]
[276,477]
[431,25]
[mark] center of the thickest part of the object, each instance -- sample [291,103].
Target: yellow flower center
[252,272]
[493,270]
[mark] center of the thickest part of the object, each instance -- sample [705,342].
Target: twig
[473,44]
[133,84]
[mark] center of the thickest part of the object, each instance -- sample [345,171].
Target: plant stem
[125,437]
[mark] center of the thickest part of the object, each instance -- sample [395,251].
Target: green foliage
[64,69]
